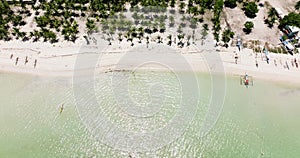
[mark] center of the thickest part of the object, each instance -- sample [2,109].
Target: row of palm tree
[217,17]
[59,16]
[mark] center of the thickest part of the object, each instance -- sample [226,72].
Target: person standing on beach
[17,59]
[268,60]
[26,60]
[11,56]
[35,62]
[256,63]
[275,62]
[236,57]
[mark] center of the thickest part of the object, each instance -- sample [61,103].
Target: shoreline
[60,61]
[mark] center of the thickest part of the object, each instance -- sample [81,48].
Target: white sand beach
[59,60]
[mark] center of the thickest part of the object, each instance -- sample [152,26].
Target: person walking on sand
[236,57]
[11,56]
[275,62]
[26,60]
[256,63]
[17,59]
[35,62]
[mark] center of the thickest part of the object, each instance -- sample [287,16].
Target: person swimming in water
[246,79]
[61,108]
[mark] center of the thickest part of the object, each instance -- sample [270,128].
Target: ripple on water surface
[249,126]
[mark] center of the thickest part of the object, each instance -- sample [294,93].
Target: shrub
[248,27]
[251,9]
[292,19]
[230,3]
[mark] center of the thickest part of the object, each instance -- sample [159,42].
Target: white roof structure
[279,12]
[294,29]
[289,45]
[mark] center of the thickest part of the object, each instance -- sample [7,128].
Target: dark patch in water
[290,92]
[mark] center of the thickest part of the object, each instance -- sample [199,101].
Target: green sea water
[259,121]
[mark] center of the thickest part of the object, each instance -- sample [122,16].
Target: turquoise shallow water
[260,121]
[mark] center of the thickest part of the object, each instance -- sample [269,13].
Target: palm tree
[180,38]
[227,35]
[188,40]
[90,25]
[248,27]
[170,39]
[172,3]
[120,37]
[272,16]
[3,32]
[182,6]
[147,38]
[172,21]
[179,30]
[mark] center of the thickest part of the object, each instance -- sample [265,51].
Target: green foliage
[250,9]
[272,17]
[70,29]
[181,6]
[248,27]
[292,19]
[216,20]
[42,21]
[5,17]
[16,20]
[48,35]
[204,31]
[172,3]
[4,8]
[3,32]
[90,25]
[59,16]
[230,3]
[227,35]
[207,3]
[297,6]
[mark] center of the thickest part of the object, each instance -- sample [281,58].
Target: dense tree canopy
[56,18]
[250,9]
[230,3]
[297,6]
[227,35]
[292,19]
[248,27]
[272,17]
[216,20]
